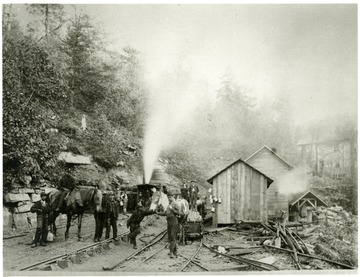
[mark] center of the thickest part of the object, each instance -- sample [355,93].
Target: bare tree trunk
[46,20]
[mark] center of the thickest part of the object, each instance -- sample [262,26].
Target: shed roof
[273,152]
[297,197]
[240,160]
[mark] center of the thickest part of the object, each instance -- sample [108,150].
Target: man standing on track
[112,214]
[134,222]
[171,213]
[42,209]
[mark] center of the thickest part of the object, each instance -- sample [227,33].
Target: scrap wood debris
[326,243]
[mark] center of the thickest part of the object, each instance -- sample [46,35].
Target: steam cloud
[171,105]
[295,181]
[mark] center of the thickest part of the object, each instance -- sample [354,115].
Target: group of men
[190,193]
[172,213]
[108,216]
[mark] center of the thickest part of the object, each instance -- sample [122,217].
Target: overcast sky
[308,51]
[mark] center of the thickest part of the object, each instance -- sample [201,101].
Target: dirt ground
[17,252]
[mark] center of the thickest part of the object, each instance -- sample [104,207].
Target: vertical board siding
[255,195]
[228,195]
[232,194]
[243,193]
[216,213]
[274,167]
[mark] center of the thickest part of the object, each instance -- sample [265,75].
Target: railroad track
[191,260]
[78,251]
[63,256]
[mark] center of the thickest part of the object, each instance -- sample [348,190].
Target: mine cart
[194,225]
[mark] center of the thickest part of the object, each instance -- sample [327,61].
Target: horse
[99,215]
[91,199]
[159,201]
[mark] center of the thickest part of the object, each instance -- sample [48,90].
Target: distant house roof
[268,148]
[321,140]
[297,197]
[71,158]
[240,160]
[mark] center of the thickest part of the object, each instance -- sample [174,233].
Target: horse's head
[98,197]
[159,201]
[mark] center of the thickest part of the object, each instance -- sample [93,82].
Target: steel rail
[151,256]
[152,242]
[192,257]
[196,263]
[77,251]
[257,264]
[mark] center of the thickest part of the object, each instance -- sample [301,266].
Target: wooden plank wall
[272,166]
[243,194]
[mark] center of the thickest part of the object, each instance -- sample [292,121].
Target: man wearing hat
[112,214]
[172,212]
[193,193]
[134,222]
[42,209]
[66,185]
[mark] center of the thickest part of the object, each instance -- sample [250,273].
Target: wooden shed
[270,163]
[302,204]
[242,191]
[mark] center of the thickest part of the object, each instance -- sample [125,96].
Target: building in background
[270,163]
[333,157]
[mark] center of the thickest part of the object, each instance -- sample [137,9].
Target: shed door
[223,192]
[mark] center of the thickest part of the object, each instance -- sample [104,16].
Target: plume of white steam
[294,181]
[171,105]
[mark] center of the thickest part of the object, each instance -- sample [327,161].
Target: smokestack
[273,149]
[144,178]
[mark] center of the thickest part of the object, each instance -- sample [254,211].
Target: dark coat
[39,209]
[41,212]
[138,215]
[112,208]
[196,190]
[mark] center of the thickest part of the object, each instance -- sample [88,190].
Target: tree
[32,85]
[86,81]
[50,22]
[125,97]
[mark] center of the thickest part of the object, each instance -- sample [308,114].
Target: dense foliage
[50,79]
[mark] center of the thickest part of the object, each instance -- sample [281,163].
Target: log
[295,241]
[236,246]
[316,258]
[216,230]
[234,252]
[305,246]
[286,238]
[296,224]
